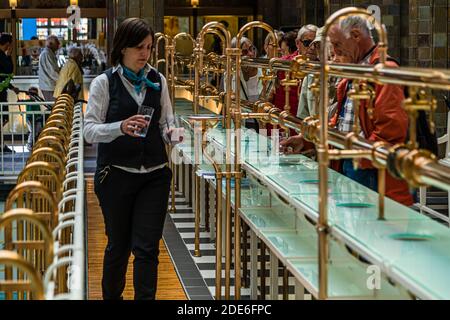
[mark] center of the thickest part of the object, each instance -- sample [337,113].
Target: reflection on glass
[258,221]
[280,244]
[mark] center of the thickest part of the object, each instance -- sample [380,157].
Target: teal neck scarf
[139,79]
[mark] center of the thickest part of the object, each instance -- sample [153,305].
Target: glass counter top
[267,219]
[411,248]
[304,181]
[346,279]
[293,244]
[418,250]
[346,208]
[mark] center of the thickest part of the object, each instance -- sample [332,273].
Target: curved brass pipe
[237,119]
[35,170]
[323,148]
[51,141]
[29,216]
[229,52]
[57,133]
[183,35]
[167,43]
[48,154]
[13,259]
[34,188]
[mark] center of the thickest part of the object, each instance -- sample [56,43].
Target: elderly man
[305,37]
[48,68]
[71,70]
[352,40]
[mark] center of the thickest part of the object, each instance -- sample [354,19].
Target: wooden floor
[169,286]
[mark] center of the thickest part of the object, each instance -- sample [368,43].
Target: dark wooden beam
[209,11]
[52,13]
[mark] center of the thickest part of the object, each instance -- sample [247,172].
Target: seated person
[71,70]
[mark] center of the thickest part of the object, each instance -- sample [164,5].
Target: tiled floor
[185,265]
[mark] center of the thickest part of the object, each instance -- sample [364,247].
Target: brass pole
[198,53]
[197,215]
[285,283]
[323,148]
[207,227]
[237,151]
[218,236]
[381,192]
[173,208]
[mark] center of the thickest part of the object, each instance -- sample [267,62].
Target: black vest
[127,151]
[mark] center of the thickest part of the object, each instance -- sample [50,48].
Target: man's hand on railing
[292,145]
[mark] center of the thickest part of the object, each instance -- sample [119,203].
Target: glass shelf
[347,279]
[412,248]
[417,250]
[293,244]
[304,181]
[268,219]
[347,208]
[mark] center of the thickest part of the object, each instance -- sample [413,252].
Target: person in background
[250,78]
[35,122]
[279,96]
[26,57]
[352,40]
[307,103]
[250,85]
[270,47]
[48,68]
[305,37]
[288,45]
[71,70]
[6,68]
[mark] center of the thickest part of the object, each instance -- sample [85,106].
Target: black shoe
[6,149]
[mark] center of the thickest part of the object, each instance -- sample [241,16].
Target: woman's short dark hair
[289,38]
[5,38]
[131,33]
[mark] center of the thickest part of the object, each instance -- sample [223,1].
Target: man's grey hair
[305,29]
[75,52]
[243,40]
[355,22]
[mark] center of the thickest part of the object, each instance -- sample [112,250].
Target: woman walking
[129,114]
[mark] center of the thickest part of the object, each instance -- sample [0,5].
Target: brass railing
[417,167]
[46,212]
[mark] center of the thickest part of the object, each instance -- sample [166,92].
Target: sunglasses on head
[306,43]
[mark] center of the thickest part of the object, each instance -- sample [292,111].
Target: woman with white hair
[305,37]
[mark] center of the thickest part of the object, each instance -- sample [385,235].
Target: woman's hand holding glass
[134,124]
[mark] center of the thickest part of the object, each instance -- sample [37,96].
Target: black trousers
[134,208]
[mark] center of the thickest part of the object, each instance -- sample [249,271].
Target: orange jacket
[389,124]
